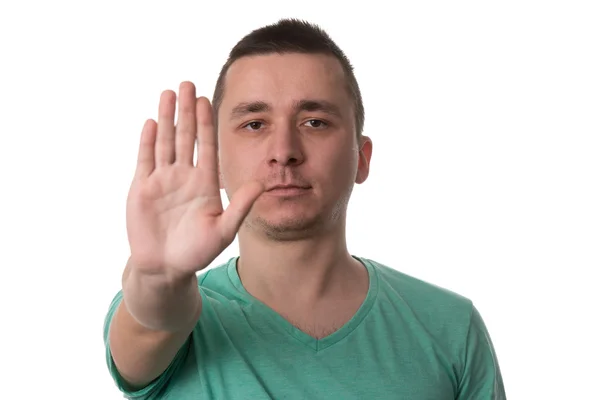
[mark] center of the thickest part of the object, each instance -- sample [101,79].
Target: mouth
[288,190]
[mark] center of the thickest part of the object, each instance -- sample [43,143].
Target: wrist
[161,303]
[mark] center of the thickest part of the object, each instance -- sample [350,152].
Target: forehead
[282,79]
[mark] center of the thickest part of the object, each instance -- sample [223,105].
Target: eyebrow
[324,106]
[248,108]
[318,105]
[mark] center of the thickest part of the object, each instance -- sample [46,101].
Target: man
[295,316]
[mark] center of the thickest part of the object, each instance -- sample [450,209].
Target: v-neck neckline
[280,323]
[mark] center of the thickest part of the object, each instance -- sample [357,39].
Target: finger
[206,139]
[185,133]
[145,161]
[238,209]
[165,146]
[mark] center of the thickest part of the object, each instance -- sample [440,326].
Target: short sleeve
[153,389]
[481,378]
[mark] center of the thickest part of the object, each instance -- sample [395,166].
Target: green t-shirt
[408,340]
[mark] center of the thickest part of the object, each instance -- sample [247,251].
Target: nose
[286,147]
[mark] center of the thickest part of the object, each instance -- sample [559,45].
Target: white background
[485,176]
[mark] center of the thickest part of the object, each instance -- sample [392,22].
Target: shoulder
[451,321]
[435,306]
[416,288]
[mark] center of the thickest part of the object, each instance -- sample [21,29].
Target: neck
[303,272]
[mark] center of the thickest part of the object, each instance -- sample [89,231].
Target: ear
[365,150]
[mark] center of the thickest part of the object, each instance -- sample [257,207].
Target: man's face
[289,120]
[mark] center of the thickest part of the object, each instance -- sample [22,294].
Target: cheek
[341,168]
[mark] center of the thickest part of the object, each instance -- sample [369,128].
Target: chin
[286,227]
[278,210]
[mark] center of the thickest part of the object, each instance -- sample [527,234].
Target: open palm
[176,223]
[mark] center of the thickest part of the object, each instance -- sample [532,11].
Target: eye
[316,123]
[253,126]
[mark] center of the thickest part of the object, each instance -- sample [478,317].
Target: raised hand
[176,223]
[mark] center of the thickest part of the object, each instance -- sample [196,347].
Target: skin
[308,266]
[293,253]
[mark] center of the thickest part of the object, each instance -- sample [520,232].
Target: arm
[151,325]
[176,226]
[481,378]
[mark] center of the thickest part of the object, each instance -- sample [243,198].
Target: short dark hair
[292,36]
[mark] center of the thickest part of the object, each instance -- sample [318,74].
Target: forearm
[150,325]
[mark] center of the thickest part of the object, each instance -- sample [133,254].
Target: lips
[288,187]
[288,191]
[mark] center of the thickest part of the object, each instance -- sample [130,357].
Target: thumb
[238,209]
